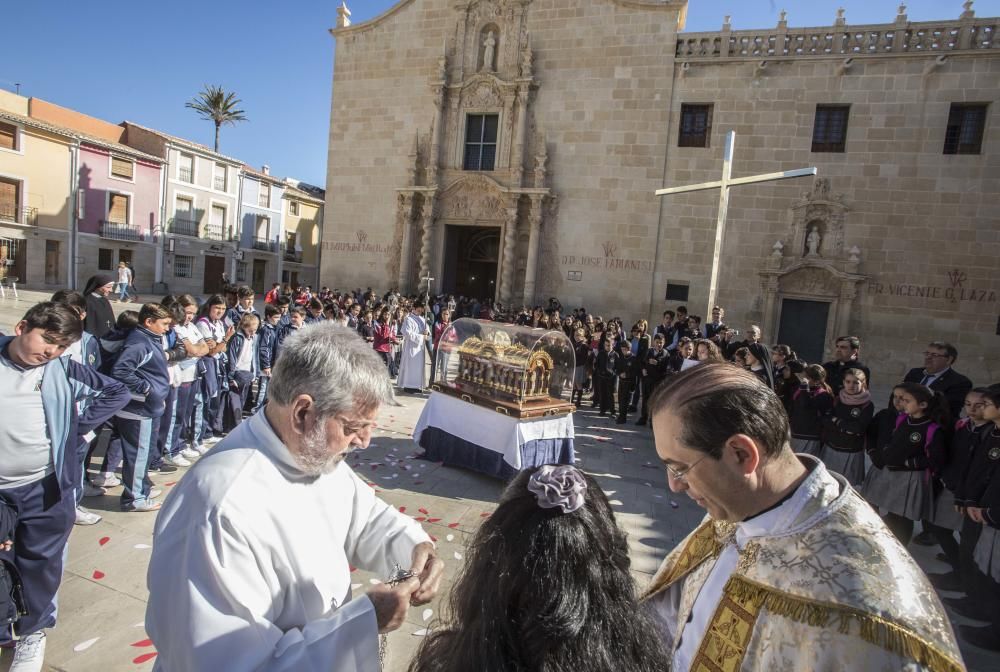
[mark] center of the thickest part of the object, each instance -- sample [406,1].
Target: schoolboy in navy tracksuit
[242,368]
[142,367]
[267,349]
[49,402]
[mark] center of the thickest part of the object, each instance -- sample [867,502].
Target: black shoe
[925,538]
[633,409]
[602,413]
[620,421]
[985,637]
[641,421]
[963,606]
[946,581]
[163,468]
[411,390]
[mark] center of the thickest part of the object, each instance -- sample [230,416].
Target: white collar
[781,518]
[935,376]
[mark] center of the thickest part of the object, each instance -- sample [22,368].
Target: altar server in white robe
[252,552]
[791,569]
[411,365]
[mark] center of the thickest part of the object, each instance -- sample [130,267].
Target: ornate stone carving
[489,52]
[811,281]
[473,198]
[824,211]
[509,241]
[428,236]
[482,94]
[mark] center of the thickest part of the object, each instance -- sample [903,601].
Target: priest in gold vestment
[791,570]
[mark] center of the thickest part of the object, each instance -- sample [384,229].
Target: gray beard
[313,457]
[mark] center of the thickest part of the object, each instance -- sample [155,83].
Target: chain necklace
[398,576]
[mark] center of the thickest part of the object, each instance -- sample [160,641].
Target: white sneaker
[211,440]
[201,449]
[190,454]
[29,653]
[176,460]
[85,517]
[106,480]
[154,493]
[91,490]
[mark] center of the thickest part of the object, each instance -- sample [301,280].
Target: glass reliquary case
[514,370]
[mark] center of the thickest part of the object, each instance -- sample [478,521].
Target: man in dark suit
[938,375]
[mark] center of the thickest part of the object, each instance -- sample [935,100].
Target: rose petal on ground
[433,520]
[103,540]
[485,515]
[355,586]
[98,574]
[374,582]
[453,525]
[146,657]
[427,614]
[420,519]
[402,509]
[142,546]
[83,646]
[167,485]
[458,556]
[353,569]
[423,632]
[140,624]
[450,537]
[142,643]
[423,511]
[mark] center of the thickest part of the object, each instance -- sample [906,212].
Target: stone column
[770,301]
[848,292]
[519,134]
[505,151]
[425,246]
[509,240]
[434,161]
[403,213]
[531,269]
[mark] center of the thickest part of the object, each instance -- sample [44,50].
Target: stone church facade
[511,148]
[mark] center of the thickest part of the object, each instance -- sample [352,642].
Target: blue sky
[118,59]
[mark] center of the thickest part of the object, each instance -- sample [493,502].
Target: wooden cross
[723,186]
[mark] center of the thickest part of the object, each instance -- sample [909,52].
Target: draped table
[461,434]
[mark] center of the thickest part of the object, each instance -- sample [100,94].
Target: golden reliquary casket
[514,370]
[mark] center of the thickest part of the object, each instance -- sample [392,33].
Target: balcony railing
[185,175]
[219,183]
[293,255]
[263,244]
[183,227]
[219,232]
[18,215]
[121,231]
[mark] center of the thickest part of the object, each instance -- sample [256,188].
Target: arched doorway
[472,254]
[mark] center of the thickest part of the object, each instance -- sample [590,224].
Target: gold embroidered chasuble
[834,590]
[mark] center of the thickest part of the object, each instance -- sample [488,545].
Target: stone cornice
[680,6]
[370,23]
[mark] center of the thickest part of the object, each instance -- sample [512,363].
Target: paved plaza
[103,597]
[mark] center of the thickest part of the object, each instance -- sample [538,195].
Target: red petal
[485,515]
[402,509]
[103,540]
[420,519]
[98,574]
[423,511]
[433,520]
[433,538]
[353,569]
[167,485]
[144,658]
[142,643]
[453,525]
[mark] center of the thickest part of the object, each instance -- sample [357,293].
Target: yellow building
[302,229]
[37,161]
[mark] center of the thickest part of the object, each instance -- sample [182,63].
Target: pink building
[120,217]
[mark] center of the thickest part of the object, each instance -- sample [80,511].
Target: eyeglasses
[681,476]
[934,354]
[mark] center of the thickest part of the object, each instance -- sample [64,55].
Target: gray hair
[334,366]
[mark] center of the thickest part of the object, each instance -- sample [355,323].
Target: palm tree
[214,103]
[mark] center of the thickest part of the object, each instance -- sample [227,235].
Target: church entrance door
[471,259]
[803,327]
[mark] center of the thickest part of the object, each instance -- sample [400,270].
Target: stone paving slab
[100,615]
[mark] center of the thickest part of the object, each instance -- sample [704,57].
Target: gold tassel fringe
[874,629]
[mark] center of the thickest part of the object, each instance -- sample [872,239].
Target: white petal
[450,537]
[83,646]
[427,614]
[423,632]
[142,546]
[458,556]
[374,582]
[355,586]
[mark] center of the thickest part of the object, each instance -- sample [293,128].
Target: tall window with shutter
[696,125]
[118,208]
[480,141]
[122,168]
[10,199]
[185,168]
[219,177]
[8,136]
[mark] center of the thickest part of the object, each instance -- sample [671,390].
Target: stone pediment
[485,91]
[474,197]
[814,278]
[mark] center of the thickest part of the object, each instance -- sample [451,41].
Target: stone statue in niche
[489,51]
[813,241]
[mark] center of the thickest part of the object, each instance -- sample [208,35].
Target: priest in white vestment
[411,364]
[252,551]
[791,569]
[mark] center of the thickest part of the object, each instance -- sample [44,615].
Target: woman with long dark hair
[546,586]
